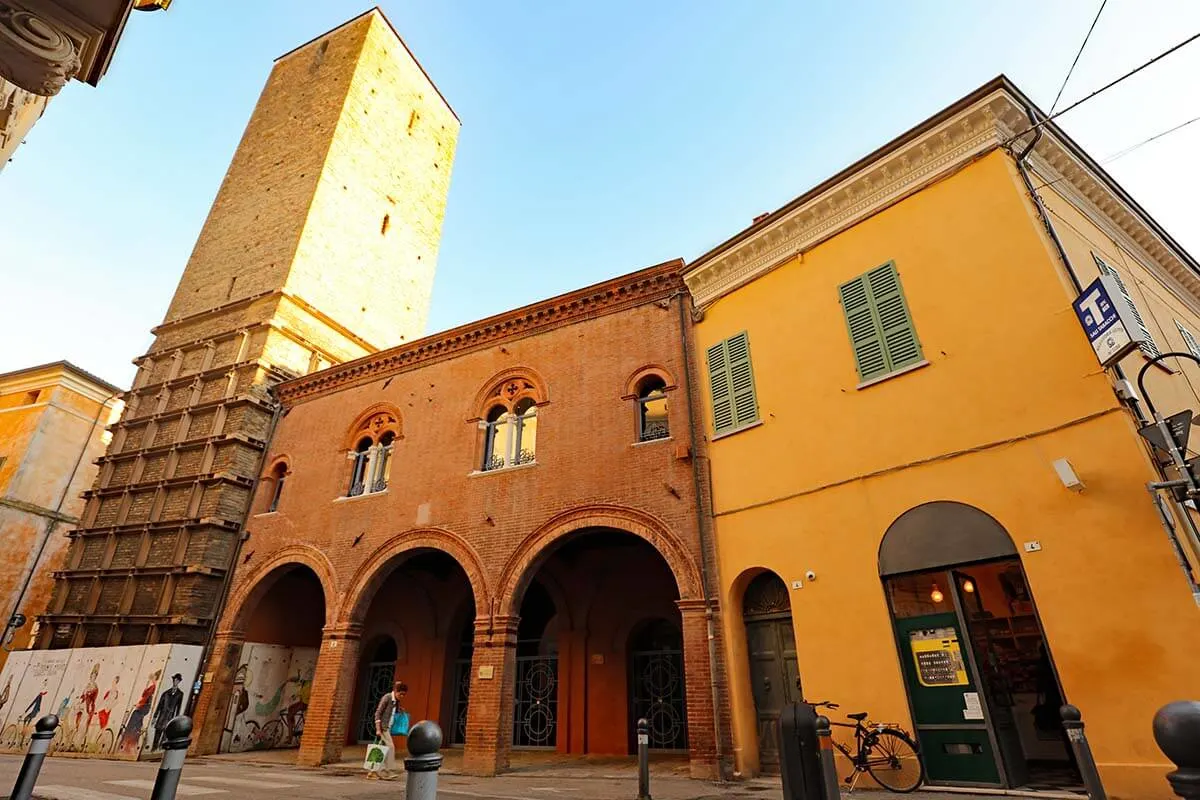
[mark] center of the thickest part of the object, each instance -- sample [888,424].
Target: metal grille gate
[462,697]
[379,678]
[658,696]
[535,716]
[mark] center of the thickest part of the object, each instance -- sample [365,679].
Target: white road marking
[183,788]
[253,784]
[75,793]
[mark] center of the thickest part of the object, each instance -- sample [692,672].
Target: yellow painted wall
[1011,385]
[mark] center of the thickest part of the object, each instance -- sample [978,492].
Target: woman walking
[391,723]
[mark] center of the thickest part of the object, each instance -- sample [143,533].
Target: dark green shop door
[948,708]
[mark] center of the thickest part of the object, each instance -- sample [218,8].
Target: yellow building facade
[53,421]
[918,462]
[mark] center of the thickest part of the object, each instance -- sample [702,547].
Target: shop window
[652,409]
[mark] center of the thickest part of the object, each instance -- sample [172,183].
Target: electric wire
[1058,96]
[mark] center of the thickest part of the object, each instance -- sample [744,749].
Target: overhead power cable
[1058,96]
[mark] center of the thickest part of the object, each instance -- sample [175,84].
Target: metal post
[1177,732]
[424,742]
[1072,721]
[643,742]
[39,744]
[833,790]
[176,738]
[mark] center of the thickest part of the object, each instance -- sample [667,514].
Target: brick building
[504,516]
[312,184]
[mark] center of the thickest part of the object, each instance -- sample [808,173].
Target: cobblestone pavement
[229,778]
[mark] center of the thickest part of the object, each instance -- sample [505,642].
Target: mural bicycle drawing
[271,723]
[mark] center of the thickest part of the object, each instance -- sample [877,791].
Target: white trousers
[389,758]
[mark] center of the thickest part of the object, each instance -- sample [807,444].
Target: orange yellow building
[914,447]
[52,427]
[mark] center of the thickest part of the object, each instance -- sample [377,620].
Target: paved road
[89,779]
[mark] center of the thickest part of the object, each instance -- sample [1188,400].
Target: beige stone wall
[19,110]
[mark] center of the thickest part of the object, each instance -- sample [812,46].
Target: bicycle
[884,750]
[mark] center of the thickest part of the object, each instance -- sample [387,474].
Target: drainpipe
[53,523]
[703,516]
[219,611]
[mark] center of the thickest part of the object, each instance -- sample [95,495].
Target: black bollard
[643,742]
[176,738]
[39,745]
[1072,721]
[833,790]
[424,742]
[1177,732]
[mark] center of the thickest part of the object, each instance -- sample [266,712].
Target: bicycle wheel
[106,741]
[272,735]
[12,736]
[893,761]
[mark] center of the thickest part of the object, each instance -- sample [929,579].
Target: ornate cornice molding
[36,54]
[631,290]
[914,161]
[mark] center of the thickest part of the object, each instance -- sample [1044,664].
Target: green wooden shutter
[741,374]
[731,383]
[881,329]
[1149,347]
[865,338]
[900,343]
[720,386]
[1188,339]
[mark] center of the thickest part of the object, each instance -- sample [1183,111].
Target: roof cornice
[924,155]
[618,294]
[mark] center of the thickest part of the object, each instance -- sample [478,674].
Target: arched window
[652,409]
[278,476]
[510,437]
[358,473]
[370,451]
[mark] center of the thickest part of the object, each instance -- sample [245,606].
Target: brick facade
[606,525]
[313,184]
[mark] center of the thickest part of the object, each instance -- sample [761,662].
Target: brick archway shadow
[375,570]
[251,589]
[533,550]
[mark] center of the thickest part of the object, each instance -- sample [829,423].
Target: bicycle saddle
[860,717]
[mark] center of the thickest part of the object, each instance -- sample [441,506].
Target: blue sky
[597,137]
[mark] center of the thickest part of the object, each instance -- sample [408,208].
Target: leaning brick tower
[320,247]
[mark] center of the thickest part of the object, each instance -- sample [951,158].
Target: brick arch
[643,372]
[283,460]
[374,571]
[251,589]
[367,424]
[529,383]
[537,545]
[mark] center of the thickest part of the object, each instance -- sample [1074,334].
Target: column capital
[695,606]
[342,630]
[496,631]
[34,53]
[230,635]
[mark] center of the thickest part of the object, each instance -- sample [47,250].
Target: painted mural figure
[108,701]
[169,704]
[88,702]
[34,708]
[137,717]
[298,706]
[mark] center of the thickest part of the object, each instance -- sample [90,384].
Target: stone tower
[320,247]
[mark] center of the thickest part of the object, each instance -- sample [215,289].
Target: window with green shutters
[731,384]
[1149,347]
[881,328]
[1189,339]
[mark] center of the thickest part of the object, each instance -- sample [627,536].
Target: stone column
[331,704]
[212,706]
[490,713]
[698,678]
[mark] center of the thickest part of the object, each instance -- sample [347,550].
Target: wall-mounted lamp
[936,595]
[968,586]
[1068,476]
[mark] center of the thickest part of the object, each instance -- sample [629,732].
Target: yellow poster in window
[938,657]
